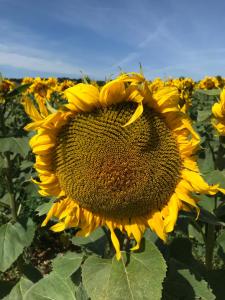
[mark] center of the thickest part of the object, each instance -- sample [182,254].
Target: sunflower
[209,83]
[119,156]
[218,110]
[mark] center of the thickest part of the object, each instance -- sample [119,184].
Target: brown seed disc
[115,171]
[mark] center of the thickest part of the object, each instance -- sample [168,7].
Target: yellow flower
[64,85]
[41,89]
[209,83]
[119,156]
[27,80]
[218,111]
[156,84]
[185,87]
[6,86]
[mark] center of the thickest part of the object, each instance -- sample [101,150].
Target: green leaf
[221,240]
[19,289]
[206,202]
[32,190]
[13,239]
[204,115]
[208,217]
[5,199]
[206,165]
[95,242]
[220,210]
[81,293]
[44,208]
[30,231]
[186,283]
[212,92]
[193,232]
[137,276]
[15,145]
[199,286]
[65,265]
[216,177]
[151,236]
[25,165]
[18,90]
[3,163]
[52,287]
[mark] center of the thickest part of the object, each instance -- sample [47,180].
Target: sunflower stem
[210,243]
[9,187]
[213,155]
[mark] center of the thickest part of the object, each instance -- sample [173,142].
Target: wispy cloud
[195,64]
[126,22]
[21,48]
[150,37]
[98,37]
[35,63]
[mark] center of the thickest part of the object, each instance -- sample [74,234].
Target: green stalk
[8,177]
[210,228]
[9,187]
[209,245]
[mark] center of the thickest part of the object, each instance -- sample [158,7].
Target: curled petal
[82,97]
[113,92]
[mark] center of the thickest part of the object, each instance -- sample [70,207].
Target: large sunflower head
[218,110]
[120,156]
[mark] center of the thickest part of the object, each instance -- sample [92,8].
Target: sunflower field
[112,190]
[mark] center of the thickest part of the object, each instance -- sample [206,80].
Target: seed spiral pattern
[117,171]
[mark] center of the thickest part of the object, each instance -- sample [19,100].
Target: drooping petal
[112,93]
[82,97]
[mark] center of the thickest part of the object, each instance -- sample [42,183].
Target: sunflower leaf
[95,242]
[18,90]
[199,286]
[52,287]
[137,275]
[20,237]
[65,265]
[19,289]
[15,145]
[221,240]
[185,282]
[44,207]
[204,115]
[212,92]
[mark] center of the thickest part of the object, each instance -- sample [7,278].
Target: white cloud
[22,49]
[150,37]
[125,22]
[36,63]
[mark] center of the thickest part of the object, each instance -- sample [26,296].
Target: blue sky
[63,38]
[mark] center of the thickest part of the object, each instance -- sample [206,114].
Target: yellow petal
[137,234]
[42,107]
[173,208]
[217,110]
[42,143]
[50,214]
[113,92]
[82,97]
[156,223]
[167,99]
[198,183]
[31,110]
[114,239]
[58,227]
[138,112]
